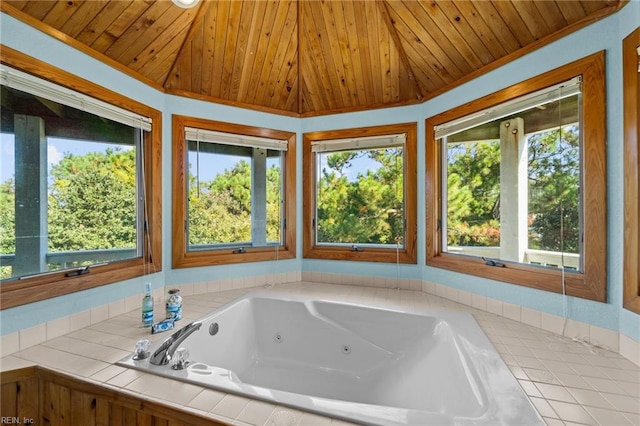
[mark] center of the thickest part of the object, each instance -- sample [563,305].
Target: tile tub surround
[568,382]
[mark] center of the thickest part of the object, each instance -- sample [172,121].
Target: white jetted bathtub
[365,364]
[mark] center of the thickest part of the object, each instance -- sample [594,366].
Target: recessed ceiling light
[185,4]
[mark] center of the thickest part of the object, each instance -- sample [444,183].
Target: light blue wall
[606,34]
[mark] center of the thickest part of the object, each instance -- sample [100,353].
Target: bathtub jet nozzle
[163,355]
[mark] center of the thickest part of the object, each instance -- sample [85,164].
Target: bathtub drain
[346,349]
[213,328]
[277,338]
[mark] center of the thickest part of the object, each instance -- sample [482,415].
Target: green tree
[473,179]
[7,217]
[473,191]
[554,190]
[92,201]
[220,211]
[368,209]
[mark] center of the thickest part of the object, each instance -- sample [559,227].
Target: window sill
[541,278]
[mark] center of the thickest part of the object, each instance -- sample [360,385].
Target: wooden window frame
[48,285]
[181,257]
[631,123]
[592,282]
[388,255]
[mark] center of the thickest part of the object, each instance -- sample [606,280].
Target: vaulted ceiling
[307,57]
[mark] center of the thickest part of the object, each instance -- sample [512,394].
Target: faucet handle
[180,359]
[142,349]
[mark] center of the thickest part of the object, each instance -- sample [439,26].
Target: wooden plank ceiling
[310,57]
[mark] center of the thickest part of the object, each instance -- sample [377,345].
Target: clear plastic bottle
[174,305]
[147,307]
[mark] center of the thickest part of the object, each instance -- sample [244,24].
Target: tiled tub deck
[569,382]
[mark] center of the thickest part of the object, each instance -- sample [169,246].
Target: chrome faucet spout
[163,355]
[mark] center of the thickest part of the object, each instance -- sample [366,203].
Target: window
[78,204]
[631,87]
[234,193]
[516,186]
[360,194]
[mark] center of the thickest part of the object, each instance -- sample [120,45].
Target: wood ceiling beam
[386,17]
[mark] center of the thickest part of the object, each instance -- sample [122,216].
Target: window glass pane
[360,197]
[7,205]
[72,200]
[92,202]
[235,196]
[513,187]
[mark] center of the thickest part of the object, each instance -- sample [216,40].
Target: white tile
[543,407]
[604,338]
[79,320]
[256,413]
[13,363]
[415,284]
[479,302]
[604,385]
[494,306]
[572,413]
[623,403]
[231,406]
[631,388]
[555,392]
[541,376]
[440,290]
[552,323]
[226,284]
[531,317]
[213,286]
[629,348]
[572,380]
[99,314]
[464,297]
[530,389]
[511,311]
[9,343]
[292,276]
[428,287]
[608,417]
[32,336]
[116,308]
[126,377]
[633,418]
[132,303]
[108,373]
[590,398]
[309,419]
[163,388]
[206,400]
[237,283]
[87,349]
[577,330]
[529,362]
[58,327]
[65,361]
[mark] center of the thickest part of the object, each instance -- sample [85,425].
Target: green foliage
[220,212]
[92,201]
[554,187]
[368,209]
[554,197]
[473,179]
[7,217]
[91,204]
